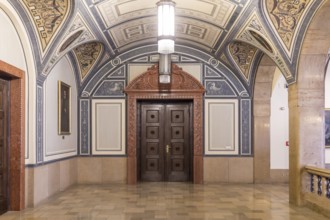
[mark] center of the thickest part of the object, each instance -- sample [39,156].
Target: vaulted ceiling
[234,32]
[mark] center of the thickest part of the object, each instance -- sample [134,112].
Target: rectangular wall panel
[108,127]
[221,127]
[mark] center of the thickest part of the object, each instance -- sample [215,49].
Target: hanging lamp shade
[166,19]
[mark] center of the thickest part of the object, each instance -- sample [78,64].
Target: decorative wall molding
[150,51]
[221,127]
[84,133]
[246,124]
[108,127]
[180,82]
[118,73]
[40,125]
[210,73]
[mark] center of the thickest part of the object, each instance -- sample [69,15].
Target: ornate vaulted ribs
[255,34]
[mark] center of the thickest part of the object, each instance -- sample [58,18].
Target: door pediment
[180,82]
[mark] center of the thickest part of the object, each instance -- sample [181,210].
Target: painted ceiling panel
[114,12]
[285,16]
[275,27]
[243,55]
[197,31]
[87,56]
[48,16]
[133,31]
[217,12]
[146,28]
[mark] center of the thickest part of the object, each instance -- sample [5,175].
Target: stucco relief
[285,16]
[243,55]
[86,56]
[149,80]
[48,16]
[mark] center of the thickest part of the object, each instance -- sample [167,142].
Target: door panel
[165,141]
[152,140]
[3,145]
[177,136]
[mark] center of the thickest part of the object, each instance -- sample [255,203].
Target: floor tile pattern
[162,201]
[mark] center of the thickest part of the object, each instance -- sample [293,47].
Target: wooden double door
[165,142]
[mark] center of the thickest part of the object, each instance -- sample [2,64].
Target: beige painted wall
[101,170]
[228,170]
[45,181]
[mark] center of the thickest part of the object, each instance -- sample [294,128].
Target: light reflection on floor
[169,201]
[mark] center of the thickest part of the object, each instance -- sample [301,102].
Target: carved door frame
[16,161]
[183,87]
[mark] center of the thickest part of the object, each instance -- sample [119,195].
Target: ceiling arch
[205,25]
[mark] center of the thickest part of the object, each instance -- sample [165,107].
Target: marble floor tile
[177,201]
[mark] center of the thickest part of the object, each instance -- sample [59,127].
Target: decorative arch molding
[255,34]
[88,88]
[77,34]
[183,87]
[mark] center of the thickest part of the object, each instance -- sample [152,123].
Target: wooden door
[4,99]
[165,142]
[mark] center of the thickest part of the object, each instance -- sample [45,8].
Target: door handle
[168,147]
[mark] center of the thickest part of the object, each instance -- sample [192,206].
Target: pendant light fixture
[166,21]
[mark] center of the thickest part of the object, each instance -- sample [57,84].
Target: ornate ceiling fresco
[243,55]
[95,32]
[48,17]
[87,55]
[285,16]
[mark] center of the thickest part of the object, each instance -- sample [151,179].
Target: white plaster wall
[15,49]
[11,50]
[279,124]
[327,106]
[59,146]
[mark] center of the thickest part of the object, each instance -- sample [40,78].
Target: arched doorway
[306,106]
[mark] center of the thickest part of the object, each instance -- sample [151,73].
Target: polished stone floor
[169,201]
